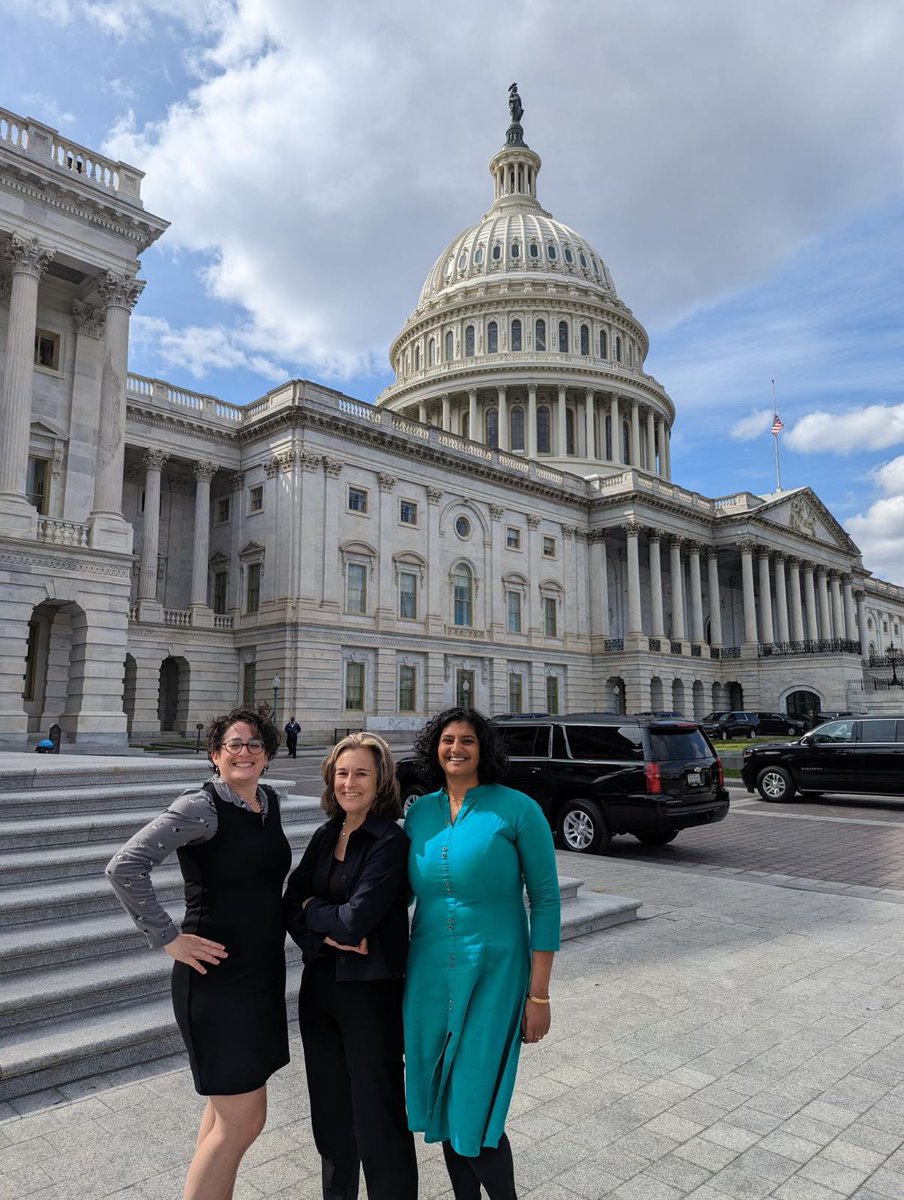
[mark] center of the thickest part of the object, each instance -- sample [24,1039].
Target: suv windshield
[671,745]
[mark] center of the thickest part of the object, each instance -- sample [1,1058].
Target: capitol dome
[519,341]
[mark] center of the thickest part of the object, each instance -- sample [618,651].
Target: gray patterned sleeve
[191,818]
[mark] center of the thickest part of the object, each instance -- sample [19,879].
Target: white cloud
[46,109]
[890,477]
[200,350]
[874,427]
[751,427]
[879,532]
[328,153]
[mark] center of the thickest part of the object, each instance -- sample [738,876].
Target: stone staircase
[79,990]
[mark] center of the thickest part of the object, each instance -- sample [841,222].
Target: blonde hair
[386,802]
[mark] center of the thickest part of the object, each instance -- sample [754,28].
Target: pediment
[43,428]
[801,512]
[251,548]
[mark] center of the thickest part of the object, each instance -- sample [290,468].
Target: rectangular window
[356,589]
[408,595]
[512,538]
[516,692]
[249,683]
[256,499]
[552,694]
[513,612]
[37,484]
[253,589]
[464,688]
[407,689]
[354,686]
[357,499]
[47,350]
[550,617]
[549,547]
[224,509]
[220,586]
[407,512]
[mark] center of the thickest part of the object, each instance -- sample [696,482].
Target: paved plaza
[744,1040]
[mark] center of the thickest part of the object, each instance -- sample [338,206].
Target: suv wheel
[657,837]
[413,792]
[581,827]
[775,783]
[723,734]
[751,733]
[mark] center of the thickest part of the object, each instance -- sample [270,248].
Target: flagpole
[775,432]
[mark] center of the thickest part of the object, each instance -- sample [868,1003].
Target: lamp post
[893,658]
[277,684]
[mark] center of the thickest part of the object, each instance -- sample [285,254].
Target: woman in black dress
[347,908]
[229,975]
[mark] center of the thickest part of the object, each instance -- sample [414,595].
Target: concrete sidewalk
[744,1040]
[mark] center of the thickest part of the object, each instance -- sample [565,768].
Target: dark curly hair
[493,761]
[386,802]
[260,719]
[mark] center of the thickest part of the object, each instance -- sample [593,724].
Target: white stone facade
[164,553]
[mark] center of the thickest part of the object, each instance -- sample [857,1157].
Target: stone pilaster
[201,612]
[387,604]
[149,607]
[655,551]
[435,609]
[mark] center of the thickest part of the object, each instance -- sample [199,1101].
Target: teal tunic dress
[469,959]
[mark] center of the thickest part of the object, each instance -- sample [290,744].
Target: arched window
[516,428]
[478,255]
[469,341]
[463,595]
[569,257]
[493,428]
[516,334]
[551,252]
[543,446]
[563,337]
[534,250]
[540,334]
[569,431]
[585,340]
[431,353]
[449,346]
[492,338]
[618,349]
[417,358]
[516,249]
[462,260]
[497,252]
[604,344]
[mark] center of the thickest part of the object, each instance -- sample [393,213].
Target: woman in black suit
[347,908]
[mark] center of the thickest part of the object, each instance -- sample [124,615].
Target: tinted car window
[621,743]
[835,731]
[559,749]
[683,744]
[877,731]
[525,741]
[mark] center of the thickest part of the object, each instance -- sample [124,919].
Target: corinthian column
[530,443]
[655,542]
[561,423]
[837,608]
[615,427]
[715,599]
[147,577]
[203,473]
[651,441]
[860,600]
[635,624]
[797,613]
[599,585]
[635,434]
[502,422]
[29,261]
[850,622]
[810,603]
[781,599]
[696,593]
[589,424]
[750,633]
[767,632]
[825,616]
[676,571]
[109,531]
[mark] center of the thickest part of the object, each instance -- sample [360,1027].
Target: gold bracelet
[538,999]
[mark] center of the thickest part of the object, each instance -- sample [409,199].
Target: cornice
[196,427]
[65,561]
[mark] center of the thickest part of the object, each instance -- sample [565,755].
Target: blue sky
[739,168]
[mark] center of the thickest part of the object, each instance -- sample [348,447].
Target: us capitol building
[500,528]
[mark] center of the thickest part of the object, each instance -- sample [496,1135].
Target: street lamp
[277,684]
[893,658]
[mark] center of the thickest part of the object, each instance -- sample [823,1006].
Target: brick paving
[742,1041]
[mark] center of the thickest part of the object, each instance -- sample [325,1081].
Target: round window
[463,527]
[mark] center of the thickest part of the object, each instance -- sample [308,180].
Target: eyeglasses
[234,745]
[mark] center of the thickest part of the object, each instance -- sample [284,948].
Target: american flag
[777,425]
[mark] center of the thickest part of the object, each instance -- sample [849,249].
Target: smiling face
[241,768]
[459,755]
[355,782]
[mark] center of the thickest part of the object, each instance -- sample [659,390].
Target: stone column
[149,607]
[203,473]
[29,261]
[570,630]
[651,441]
[435,610]
[531,440]
[750,630]
[422,412]
[473,429]
[635,622]
[715,598]
[810,603]
[767,631]
[615,426]
[502,419]
[850,621]
[676,571]
[447,412]
[696,593]
[237,541]
[109,529]
[385,607]
[860,601]
[837,607]
[635,434]
[590,424]
[665,450]
[781,599]
[797,613]
[599,585]
[655,544]
[561,428]
[825,613]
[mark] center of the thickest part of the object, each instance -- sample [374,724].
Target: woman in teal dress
[477,983]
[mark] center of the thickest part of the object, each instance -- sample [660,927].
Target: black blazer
[375,886]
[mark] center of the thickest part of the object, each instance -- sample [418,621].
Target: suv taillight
[651,777]
[720,773]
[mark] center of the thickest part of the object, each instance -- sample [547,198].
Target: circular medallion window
[463,527]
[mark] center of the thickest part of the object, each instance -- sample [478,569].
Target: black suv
[727,725]
[854,754]
[772,723]
[596,775]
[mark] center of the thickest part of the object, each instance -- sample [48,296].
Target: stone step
[83,797]
[112,826]
[51,772]
[34,947]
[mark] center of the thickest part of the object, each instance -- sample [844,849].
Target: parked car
[853,754]
[727,725]
[598,775]
[771,723]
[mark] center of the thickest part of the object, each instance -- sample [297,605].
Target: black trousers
[291,747]
[352,1037]
[492,1168]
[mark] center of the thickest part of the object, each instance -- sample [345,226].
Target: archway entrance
[172,701]
[803,703]
[54,667]
[129,682]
